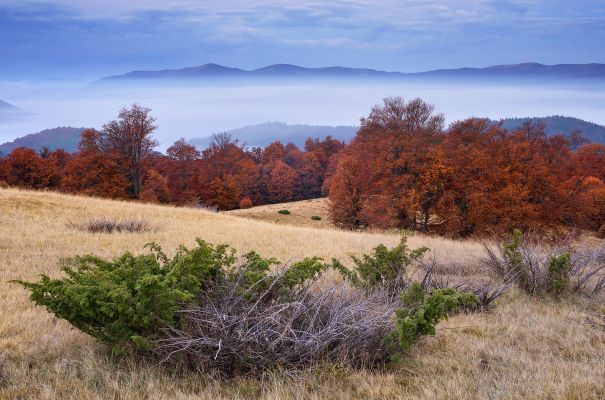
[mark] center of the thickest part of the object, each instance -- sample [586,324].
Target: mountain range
[263,134]
[529,71]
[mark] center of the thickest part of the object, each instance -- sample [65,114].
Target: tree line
[120,161]
[404,169]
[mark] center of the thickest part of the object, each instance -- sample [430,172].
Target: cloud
[65,35]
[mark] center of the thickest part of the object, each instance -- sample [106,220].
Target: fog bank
[199,109]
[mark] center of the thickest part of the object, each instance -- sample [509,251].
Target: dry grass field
[523,348]
[301,213]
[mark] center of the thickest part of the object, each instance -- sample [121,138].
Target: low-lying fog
[198,109]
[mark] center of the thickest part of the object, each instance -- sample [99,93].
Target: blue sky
[89,39]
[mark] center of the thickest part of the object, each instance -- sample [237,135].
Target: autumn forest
[404,170]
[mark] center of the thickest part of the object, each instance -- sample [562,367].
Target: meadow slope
[521,348]
[300,213]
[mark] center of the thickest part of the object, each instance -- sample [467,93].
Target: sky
[78,39]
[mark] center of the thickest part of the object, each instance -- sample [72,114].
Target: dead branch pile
[230,333]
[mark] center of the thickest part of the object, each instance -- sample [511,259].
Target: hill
[66,138]
[524,71]
[558,124]
[300,213]
[494,354]
[263,134]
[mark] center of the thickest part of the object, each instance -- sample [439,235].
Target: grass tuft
[108,225]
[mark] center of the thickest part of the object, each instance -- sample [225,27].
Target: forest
[405,169]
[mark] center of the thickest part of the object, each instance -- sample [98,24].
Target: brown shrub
[541,267]
[601,232]
[108,225]
[245,203]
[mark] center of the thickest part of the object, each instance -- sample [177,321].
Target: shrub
[306,326]
[199,205]
[385,266]
[205,309]
[558,273]
[245,203]
[125,301]
[540,267]
[316,218]
[421,310]
[601,232]
[303,326]
[486,291]
[108,225]
[284,212]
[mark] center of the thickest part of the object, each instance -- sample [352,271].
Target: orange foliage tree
[128,141]
[227,173]
[26,168]
[155,188]
[182,172]
[475,178]
[385,163]
[92,172]
[282,179]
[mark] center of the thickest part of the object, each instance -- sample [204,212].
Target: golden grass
[301,213]
[522,348]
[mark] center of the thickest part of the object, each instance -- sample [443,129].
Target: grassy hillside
[300,213]
[522,348]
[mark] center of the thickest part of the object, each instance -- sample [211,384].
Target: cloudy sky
[88,39]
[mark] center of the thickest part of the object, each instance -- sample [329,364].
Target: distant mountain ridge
[527,70]
[66,138]
[519,71]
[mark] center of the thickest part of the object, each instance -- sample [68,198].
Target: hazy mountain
[271,71]
[4,106]
[66,138]
[9,112]
[263,134]
[531,71]
[525,70]
[206,70]
[557,124]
